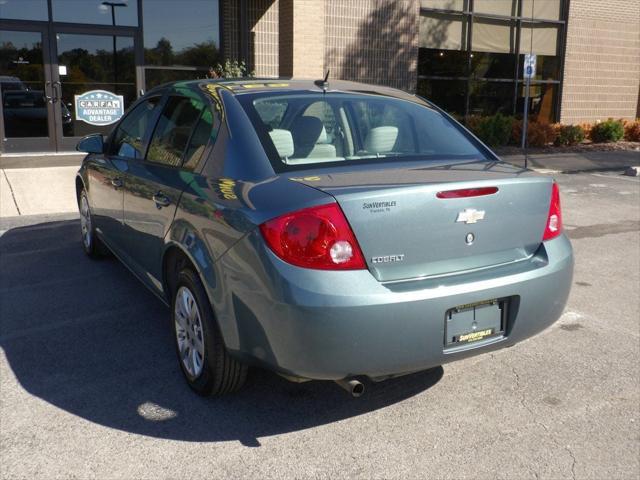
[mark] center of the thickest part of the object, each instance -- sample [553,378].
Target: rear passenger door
[154,184]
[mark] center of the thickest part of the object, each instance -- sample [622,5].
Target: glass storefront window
[488,98]
[541,39]
[489,35]
[443,31]
[108,12]
[154,77]
[541,9]
[547,68]
[492,65]
[94,62]
[24,105]
[24,9]
[450,95]
[192,38]
[442,63]
[508,8]
[542,101]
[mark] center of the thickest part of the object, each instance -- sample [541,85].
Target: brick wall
[602,61]
[262,18]
[302,38]
[229,21]
[263,39]
[373,41]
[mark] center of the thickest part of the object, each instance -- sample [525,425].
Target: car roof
[245,86]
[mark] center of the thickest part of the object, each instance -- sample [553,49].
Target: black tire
[220,373]
[91,244]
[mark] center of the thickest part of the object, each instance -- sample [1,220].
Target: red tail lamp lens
[554,219]
[317,237]
[467,192]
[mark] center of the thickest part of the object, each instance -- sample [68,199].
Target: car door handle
[161,200]
[117,182]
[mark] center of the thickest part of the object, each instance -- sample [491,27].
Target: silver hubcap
[85,221]
[189,332]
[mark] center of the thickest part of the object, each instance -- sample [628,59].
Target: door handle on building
[47,97]
[56,92]
[161,200]
[117,183]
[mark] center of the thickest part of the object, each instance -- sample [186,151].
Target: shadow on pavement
[87,337]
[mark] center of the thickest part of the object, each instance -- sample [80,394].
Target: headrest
[283,141]
[307,131]
[381,139]
[323,138]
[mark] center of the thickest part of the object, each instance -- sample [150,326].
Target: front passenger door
[154,185]
[107,177]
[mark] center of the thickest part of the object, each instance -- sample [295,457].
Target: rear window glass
[310,129]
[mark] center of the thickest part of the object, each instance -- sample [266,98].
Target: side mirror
[93,143]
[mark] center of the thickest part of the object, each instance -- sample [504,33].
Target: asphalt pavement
[90,386]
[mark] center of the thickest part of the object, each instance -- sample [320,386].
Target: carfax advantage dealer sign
[99,107]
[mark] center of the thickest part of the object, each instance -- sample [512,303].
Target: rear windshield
[309,129]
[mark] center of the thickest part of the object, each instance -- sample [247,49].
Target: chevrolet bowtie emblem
[470,215]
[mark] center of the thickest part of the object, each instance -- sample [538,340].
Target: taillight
[317,237]
[554,219]
[467,192]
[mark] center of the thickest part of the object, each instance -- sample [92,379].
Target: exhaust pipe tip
[352,386]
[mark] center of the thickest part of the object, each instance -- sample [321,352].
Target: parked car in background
[322,230]
[25,114]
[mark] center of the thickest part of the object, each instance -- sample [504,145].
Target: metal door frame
[56,142]
[68,143]
[33,144]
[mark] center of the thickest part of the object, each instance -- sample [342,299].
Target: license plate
[472,323]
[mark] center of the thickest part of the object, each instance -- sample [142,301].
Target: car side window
[127,140]
[206,130]
[175,126]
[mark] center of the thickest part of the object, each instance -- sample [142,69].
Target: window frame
[522,21]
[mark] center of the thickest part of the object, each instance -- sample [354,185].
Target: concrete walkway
[578,162]
[39,160]
[37,191]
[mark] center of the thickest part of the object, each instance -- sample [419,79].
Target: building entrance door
[27,91]
[59,83]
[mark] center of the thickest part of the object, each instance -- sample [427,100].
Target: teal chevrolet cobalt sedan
[325,230]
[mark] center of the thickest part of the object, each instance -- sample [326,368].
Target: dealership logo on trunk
[99,107]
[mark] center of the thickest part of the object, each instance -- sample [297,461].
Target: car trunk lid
[406,231]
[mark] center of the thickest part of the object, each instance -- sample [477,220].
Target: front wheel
[203,357]
[91,244]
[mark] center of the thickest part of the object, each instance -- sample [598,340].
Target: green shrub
[232,69]
[494,130]
[607,131]
[569,135]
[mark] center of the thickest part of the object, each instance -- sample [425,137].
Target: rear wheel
[204,360]
[91,244]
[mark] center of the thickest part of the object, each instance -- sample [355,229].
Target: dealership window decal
[99,107]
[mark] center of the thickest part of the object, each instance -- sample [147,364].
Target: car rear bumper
[331,325]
